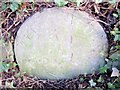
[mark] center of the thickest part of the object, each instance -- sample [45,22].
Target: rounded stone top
[60,43]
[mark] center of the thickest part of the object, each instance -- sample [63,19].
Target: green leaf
[20,2]
[117,37]
[103,69]
[10,64]
[14,64]
[100,79]
[61,2]
[110,85]
[78,2]
[25,10]
[14,6]
[112,1]
[11,85]
[115,56]
[92,83]
[116,83]
[81,79]
[117,47]
[4,6]
[115,15]
[17,74]
[115,31]
[98,1]
[3,66]
[32,1]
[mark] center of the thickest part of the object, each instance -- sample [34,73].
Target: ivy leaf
[31,1]
[61,2]
[92,83]
[20,2]
[115,15]
[103,69]
[78,2]
[3,66]
[98,1]
[17,74]
[100,79]
[112,1]
[25,10]
[10,65]
[11,85]
[4,6]
[1,70]
[117,47]
[115,56]
[115,31]
[117,37]
[15,64]
[81,79]
[14,6]
[116,83]
[110,85]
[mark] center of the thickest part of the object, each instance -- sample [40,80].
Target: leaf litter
[13,17]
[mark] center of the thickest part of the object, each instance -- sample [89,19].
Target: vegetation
[14,13]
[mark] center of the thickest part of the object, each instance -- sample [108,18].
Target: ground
[14,14]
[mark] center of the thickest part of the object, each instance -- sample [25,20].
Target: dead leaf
[25,79]
[115,72]
[1,82]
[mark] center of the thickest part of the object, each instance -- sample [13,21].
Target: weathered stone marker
[60,43]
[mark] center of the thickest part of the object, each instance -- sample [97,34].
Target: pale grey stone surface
[60,43]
